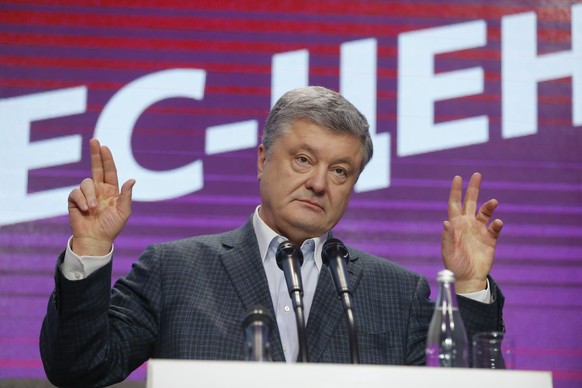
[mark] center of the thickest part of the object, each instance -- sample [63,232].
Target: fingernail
[84,207]
[93,203]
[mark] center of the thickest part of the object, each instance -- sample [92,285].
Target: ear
[261,160]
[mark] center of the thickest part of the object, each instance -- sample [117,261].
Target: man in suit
[186,299]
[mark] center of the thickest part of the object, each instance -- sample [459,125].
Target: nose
[317,180]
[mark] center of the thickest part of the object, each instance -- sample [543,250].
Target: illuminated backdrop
[180,91]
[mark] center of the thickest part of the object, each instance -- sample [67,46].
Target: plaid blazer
[186,300]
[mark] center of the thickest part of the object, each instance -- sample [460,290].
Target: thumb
[125,196]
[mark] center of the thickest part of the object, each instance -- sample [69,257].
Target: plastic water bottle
[447,344]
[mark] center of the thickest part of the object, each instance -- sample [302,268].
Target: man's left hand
[469,239]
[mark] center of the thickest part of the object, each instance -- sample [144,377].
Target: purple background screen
[105,45]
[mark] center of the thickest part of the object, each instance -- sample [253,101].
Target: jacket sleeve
[421,310]
[95,336]
[479,316]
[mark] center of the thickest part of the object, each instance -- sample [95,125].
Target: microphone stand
[297,300]
[352,332]
[289,259]
[336,257]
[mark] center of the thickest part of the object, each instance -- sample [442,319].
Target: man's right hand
[98,211]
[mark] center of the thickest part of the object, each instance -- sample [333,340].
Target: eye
[302,160]
[340,174]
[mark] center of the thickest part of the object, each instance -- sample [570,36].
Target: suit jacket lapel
[326,310]
[242,262]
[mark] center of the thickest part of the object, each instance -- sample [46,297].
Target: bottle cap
[446,276]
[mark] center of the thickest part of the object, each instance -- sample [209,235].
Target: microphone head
[288,250]
[334,248]
[258,314]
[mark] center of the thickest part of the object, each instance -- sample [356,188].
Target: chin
[309,228]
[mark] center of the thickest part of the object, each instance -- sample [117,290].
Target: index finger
[455,208]
[96,161]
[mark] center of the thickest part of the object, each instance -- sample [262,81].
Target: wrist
[90,246]
[469,286]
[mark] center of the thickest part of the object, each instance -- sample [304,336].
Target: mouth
[312,204]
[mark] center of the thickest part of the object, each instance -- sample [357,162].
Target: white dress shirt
[268,242]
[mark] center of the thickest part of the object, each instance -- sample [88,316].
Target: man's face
[306,180]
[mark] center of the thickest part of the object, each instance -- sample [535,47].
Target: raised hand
[469,238]
[98,211]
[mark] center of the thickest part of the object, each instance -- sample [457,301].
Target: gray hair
[323,107]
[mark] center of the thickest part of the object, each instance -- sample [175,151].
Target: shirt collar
[265,235]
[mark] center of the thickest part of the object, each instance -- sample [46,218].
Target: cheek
[340,200]
[342,194]
[275,189]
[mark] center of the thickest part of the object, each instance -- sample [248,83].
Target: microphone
[335,256]
[289,259]
[258,325]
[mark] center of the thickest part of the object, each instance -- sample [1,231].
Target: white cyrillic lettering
[522,69]
[358,70]
[19,155]
[289,71]
[231,137]
[419,88]
[115,127]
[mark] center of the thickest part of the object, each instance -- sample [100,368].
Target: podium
[240,374]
